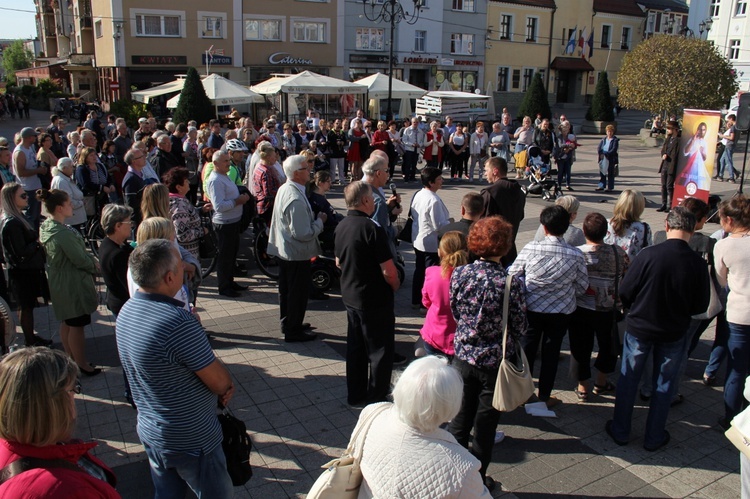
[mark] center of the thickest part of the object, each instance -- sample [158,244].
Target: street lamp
[705,26]
[391,11]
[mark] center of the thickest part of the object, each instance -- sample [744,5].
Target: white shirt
[429,214]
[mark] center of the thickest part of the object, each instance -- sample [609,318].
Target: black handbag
[405,234]
[237,446]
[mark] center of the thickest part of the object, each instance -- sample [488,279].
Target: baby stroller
[542,178]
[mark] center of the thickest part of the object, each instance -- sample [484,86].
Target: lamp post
[392,12]
[705,26]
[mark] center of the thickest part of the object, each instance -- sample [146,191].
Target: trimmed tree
[601,108]
[666,74]
[535,101]
[194,104]
[15,58]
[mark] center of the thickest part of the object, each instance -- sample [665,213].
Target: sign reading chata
[159,60]
[217,60]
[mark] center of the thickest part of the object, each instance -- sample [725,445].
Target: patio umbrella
[222,92]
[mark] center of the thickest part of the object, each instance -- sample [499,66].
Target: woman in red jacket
[433,145]
[37,419]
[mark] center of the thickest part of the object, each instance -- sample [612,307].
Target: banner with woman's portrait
[697,155]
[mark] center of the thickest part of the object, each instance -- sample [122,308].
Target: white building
[729,33]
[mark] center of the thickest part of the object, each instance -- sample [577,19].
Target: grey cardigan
[294,229]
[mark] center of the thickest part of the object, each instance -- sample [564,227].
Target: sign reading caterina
[285,58]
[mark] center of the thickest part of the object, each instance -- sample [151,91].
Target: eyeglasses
[24,196]
[129,222]
[139,157]
[76,388]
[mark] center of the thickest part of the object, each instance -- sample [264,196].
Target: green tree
[129,110]
[666,74]
[535,100]
[601,108]
[194,104]
[15,58]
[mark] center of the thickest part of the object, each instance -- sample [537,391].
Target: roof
[675,5]
[571,64]
[546,4]
[622,7]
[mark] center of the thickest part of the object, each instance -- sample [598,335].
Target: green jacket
[70,271]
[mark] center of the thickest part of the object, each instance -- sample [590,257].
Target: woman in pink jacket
[439,325]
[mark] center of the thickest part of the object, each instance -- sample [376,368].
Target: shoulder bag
[715,306]
[237,445]
[739,440]
[405,234]
[514,384]
[343,477]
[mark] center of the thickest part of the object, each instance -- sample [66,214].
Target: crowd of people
[150,185]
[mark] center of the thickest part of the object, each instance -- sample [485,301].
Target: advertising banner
[697,155]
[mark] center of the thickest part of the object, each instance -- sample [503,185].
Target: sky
[19,22]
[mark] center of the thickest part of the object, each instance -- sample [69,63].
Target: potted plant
[601,112]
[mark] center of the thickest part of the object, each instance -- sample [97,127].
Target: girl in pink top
[439,325]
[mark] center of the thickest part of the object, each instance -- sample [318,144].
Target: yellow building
[568,41]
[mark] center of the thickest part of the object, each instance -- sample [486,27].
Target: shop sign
[159,60]
[286,58]
[217,60]
[383,59]
[467,63]
[420,60]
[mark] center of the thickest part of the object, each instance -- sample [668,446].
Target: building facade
[730,34]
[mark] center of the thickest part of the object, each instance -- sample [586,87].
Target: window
[542,72]
[531,23]
[419,40]
[211,26]
[606,33]
[625,42]
[506,27]
[263,29]
[157,25]
[369,39]
[309,31]
[98,29]
[713,9]
[462,44]
[651,23]
[465,5]
[503,75]
[516,78]
[741,8]
[734,50]
[528,75]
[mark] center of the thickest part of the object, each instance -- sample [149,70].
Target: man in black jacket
[664,287]
[668,165]
[505,198]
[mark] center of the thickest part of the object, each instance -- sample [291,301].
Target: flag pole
[608,52]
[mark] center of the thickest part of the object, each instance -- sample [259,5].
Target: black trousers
[667,186]
[550,329]
[228,238]
[585,325]
[423,260]
[476,412]
[370,342]
[294,290]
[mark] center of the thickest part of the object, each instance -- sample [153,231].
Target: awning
[571,64]
[168,88]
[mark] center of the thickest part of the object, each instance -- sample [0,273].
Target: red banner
[697,155]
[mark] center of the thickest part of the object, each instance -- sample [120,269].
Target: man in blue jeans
[664,287]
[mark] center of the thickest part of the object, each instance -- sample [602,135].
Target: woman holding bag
[476,297]
[608,158]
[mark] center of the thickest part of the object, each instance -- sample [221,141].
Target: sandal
[582,396]
[609,387]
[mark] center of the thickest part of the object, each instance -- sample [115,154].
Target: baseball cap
[271,123]
[28,132]
[142,120]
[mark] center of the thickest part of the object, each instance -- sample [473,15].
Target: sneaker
[599,189]
[733,180]
[720,179]
[499,436]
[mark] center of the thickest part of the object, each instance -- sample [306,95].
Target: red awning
[571,64]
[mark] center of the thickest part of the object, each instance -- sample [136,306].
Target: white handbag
[342,477]
[513,386]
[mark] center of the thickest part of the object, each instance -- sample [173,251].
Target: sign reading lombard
[286,58]
[159,60]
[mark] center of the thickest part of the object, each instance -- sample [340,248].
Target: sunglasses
[24,196]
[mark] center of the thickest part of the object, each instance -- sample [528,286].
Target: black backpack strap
[29,463]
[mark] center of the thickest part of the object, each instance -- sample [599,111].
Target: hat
[142,120]
[28,132]
[673,124]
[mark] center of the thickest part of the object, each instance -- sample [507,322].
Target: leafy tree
[601,104]
[15,58]
[129,110]
[535,101]
[666,74]
[194,104]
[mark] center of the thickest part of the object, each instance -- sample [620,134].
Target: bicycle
[94,234]
[266,263]
[210,249]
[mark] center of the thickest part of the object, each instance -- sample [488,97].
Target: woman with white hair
[75,140]
[405,453]
[62,179]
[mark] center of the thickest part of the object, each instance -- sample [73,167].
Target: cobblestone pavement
[293,396]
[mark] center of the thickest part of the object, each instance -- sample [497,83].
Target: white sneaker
[499,436]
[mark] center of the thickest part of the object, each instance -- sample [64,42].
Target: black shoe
[231,293]
[608,429]
[724,423]
[677,400]
[40,342]
[490,483]
[319,296]
[238,287]
[301,337]
[667,437]
[238,272]
[306,326]
[662,208]
[399,359]
[93,372]
[645,398]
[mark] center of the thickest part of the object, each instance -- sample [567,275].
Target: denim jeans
[726,160]
[608,181]
[668,357]
[476,412]
[563,171]
[173,472]
[33,211]
[719,348]
[738,346]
